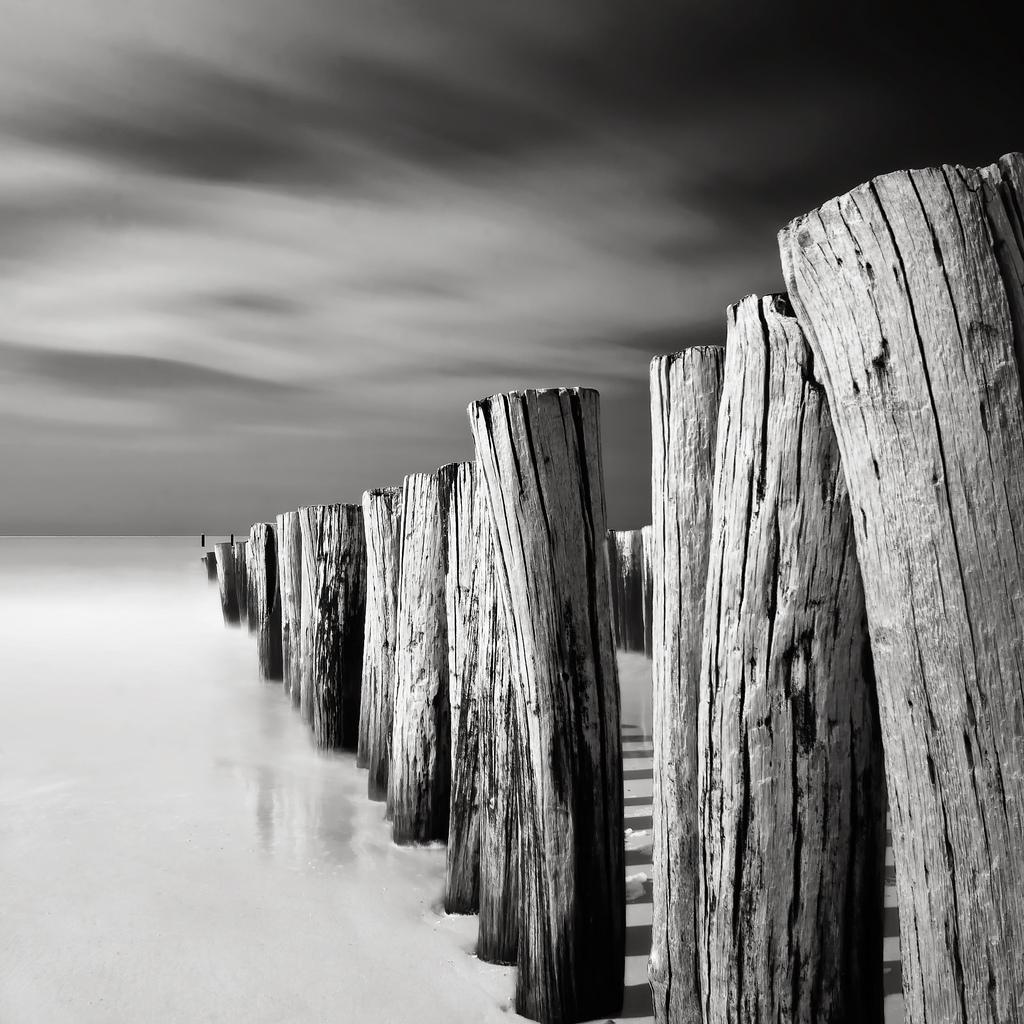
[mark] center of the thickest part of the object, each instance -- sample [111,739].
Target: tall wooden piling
[498,931]
[382,524]
[419,784]
[265,600]
[242,579]
[289,576]
[466,512]
[333,618]
[647,580]
[791,782]
[540,455]
[225,557]
[625,572]
[211,566]
[685,391]
[909,291]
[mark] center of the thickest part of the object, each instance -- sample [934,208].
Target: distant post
[225,558]
[242,579]
[539,453]
[382,522]
[211,566]
[625,571]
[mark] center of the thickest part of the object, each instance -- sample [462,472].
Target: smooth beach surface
[173,849]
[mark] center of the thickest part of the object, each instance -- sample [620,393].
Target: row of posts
[835,616]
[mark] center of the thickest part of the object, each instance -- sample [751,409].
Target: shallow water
[173,849]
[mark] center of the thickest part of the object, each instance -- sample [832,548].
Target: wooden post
[265,600]
[225,557]
[466,513]
[540,455]
[685,392]
[625,571]
[250,580]
[289,575]
[333,614]
[498,934]
[909,291]
[382,523]
[242,579]
[791,783]
[647,578]
[419,783]
[211,566]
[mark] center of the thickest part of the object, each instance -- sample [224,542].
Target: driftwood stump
[791,782]
[909,291]
[419,782]
[265,600]
[382,523]
[498,932]
[333,615]
[466,513]
[625,574]
[225,556]
[210,558]
[242,579]
[540,455]
[289,575]
[685,393]
[647,579]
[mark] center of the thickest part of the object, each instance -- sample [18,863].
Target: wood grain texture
[647,581]
[289,580]
[791,781]
[540,455]
[419,783]
[685,392]
[498,932]
[466,512]
[242,579]
[625,573]
[250,581]
[265,600]
[332,614]
[382,523]
[909,291]
[225,556]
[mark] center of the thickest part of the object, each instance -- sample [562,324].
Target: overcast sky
[262,253]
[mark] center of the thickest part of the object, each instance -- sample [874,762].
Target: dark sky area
[262,253]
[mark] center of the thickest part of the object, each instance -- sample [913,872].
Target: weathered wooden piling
[242,579]
[419,783]
[647,578]
[909,291]
[539,453]
[791,783]
[685,391]
[211,566]
[289,577]
[498,932]
[333,613]
[225,558]
[265,599]
[625,573]
[466,514]
[382,524]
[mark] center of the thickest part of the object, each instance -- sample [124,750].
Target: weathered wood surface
[909,290]
[289,576]
[685,391]
[419,784]
[225,557]
[540,455]
[265,600]
[333,613]
[625,574]
[242,579]
[647,581]
[250,582]
[498,931]
[382,523]
[210,558]
[466,514]
[791,782]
